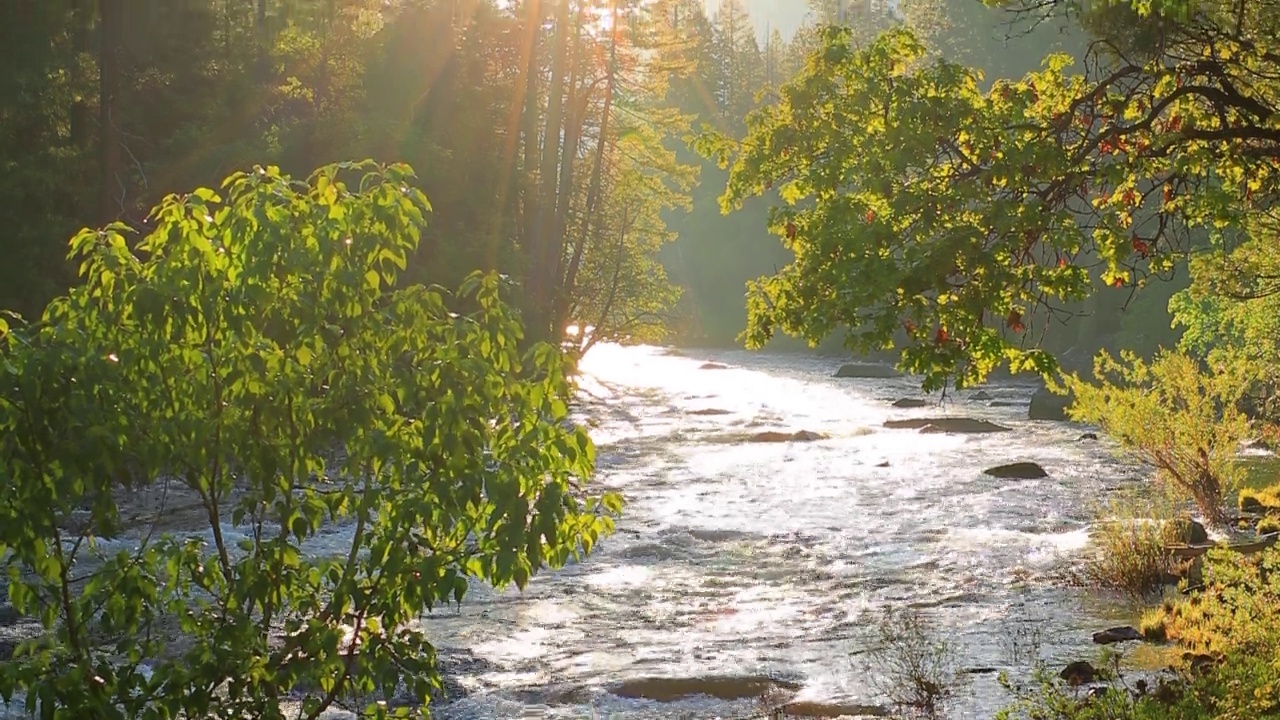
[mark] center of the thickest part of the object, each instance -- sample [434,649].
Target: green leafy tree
[973,236]
[252,361]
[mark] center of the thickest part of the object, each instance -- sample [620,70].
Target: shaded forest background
[550,137]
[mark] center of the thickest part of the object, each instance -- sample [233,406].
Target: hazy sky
[786,15]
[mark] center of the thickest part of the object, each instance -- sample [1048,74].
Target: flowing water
[735,558]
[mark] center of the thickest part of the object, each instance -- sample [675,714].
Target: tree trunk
[541,283]
[591,211]
[532,145]
[575,117]
[112,189]
[262,67]
[81,114]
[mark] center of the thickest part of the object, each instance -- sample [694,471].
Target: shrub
[1268,525]
[1153,624]
[1264,500]
[1131,556]
[252,355]
[1175,417]
[911,664]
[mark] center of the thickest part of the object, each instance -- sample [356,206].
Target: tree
[971,236]
[253,360]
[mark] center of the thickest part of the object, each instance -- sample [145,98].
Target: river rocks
[827,710]
[773,436]
[723,688]
[1113,635]
[1078,673]
[908,403]
[1087,436]
[1048,405]
[1190,531]
[710,411]
[957,425]
[867,370]
[1017,471]
[713,366]
[980,396]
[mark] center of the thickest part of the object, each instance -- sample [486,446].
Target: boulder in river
[1087,436]
[1048,405]
[1109,636]
[946,425]
[713,366]
[911,403]
[1078,673]
[732,687]
[866,370]
[1190,531]
[1017,471]
[980,396]
[773,436]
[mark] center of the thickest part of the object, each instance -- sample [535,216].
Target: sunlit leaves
[925,212]
[252,357]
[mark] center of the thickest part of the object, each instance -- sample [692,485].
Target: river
[735,558]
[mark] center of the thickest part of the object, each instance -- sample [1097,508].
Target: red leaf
[791,231]
[1014,321]
[871,216]
[941,336]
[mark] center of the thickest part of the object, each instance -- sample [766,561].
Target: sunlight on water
[735,557]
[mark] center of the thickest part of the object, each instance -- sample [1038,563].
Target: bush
[252,355]
[912,664]
[1175,417]
[1264,500]
[1153,625]
[1268,525]
[1131,555]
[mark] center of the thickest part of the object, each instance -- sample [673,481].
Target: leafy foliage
[980,231]
[252,358]
[1174,416]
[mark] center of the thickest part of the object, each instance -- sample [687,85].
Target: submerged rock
[1087,436]
[713,366]
[911,403]
[1048,405]
[1109,636]
[1017,471]
[710,411]
[866,370]
[981,395]
[826,710]
[946,425]
[773,436]
[731,687]
[1078,673]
